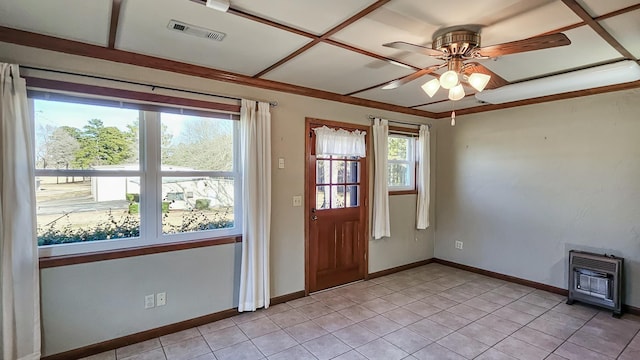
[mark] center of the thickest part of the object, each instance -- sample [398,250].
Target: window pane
[337,196]
[322,197]
[82,136]
[398,148]
[196,143]
[197,204]
[399,175]
[353,173]
[322,171]
[352,195]
[337,171]
[75,209]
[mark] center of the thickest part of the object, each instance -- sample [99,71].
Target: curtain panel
[381,222]
[18,247]
[424,178]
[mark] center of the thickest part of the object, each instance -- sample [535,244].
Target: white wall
[88,303]
[521,187]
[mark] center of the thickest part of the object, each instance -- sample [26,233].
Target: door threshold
[336,287]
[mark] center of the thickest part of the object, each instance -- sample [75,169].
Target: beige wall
[521,187]
[88,303]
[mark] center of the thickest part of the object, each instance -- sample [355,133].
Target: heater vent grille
[196,30]
[594,264]
[596,279]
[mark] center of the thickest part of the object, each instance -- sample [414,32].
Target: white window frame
[150,175]
[411,163]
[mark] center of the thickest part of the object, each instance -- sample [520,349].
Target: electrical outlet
[161,299]
[459,245]
[149,301]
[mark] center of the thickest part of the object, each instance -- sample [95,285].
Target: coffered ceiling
[332,48]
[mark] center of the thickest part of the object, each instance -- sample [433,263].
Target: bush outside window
[109,177]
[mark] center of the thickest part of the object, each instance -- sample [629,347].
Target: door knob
[314,217]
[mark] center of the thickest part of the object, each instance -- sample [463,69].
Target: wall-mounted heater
[596,279]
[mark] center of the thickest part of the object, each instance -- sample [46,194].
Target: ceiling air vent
[196,30]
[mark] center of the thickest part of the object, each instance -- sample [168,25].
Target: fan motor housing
[457,42]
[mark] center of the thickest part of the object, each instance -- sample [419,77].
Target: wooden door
[336,214]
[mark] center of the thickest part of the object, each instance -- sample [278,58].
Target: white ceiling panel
[80,20]
[525,25]
[626,29]
[446,106]
[409,94]
[313,16]
[586,48]
[600,7]
[335,69]
[386,25]
[247,48]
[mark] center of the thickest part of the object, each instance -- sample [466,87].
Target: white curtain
[18,248]
[381,223]
[424,182]
[340,142]
[255,130]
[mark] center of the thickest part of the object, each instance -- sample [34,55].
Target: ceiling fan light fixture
[456,93]
[449,79]
[479,81]
[220,5]
[431,87]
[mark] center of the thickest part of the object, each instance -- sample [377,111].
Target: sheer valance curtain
[255,132]
[18,248]
[340,142]
[381,223]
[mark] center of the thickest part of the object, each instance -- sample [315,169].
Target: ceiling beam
[113,27]
[45,42]
[584,15]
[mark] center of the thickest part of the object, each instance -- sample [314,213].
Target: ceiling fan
[459,48]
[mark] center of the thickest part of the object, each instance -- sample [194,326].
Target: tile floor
[430,312]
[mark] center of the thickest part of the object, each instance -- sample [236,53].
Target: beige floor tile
[359,295]
[274,309]
[294,353]
[244,350]
[217,325]
[537,338]
[155,354]
[436,352]
[326,347]
[333,321]
[225,337]
[179,336]
[496,298]
[306,331]
[540,301]
[355,335]
[315,310]
[430,330]
[574,352]
[511,291]
[274,342]
[577,310]
[301,301]
[554,357]
[630,354]
[467,312]
[351,355]
[357,313]
[520,349]
[563,318]
[208,356]
[482,333]
[493,354]
[421,308]
[407,340]
[379,290]
[380,325]
[107,355]
[499,324]
[527,308]
[449,320]
[289,318]
[138,348]
[514,315]
[482,304]
[611,348]
[338,302]
[187,349]
[398,299]
[379,305]
[258,327]
[381,349]
[402,316]
[463,345]
[553,328]
[439,302]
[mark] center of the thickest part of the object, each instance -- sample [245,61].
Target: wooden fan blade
[495,82]
[534,43]
[401,45]
[403,80]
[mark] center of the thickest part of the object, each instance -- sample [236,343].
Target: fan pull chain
[453,118]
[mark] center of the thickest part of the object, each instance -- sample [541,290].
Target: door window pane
[323,169]
[353,172]
[337,196]
[78,209]
[196,204]
[352,195]
[337,171]
[322,197]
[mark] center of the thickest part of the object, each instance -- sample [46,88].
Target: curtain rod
[371,117]
[153,87]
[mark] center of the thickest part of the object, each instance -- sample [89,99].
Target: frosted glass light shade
[456,93]
[449,79]
[479,81]
[220,5]
[431,87]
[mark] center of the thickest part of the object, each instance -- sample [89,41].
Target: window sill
[64,260]
[403,192]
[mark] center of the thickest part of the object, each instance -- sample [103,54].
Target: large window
[401,163]
[110,177]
